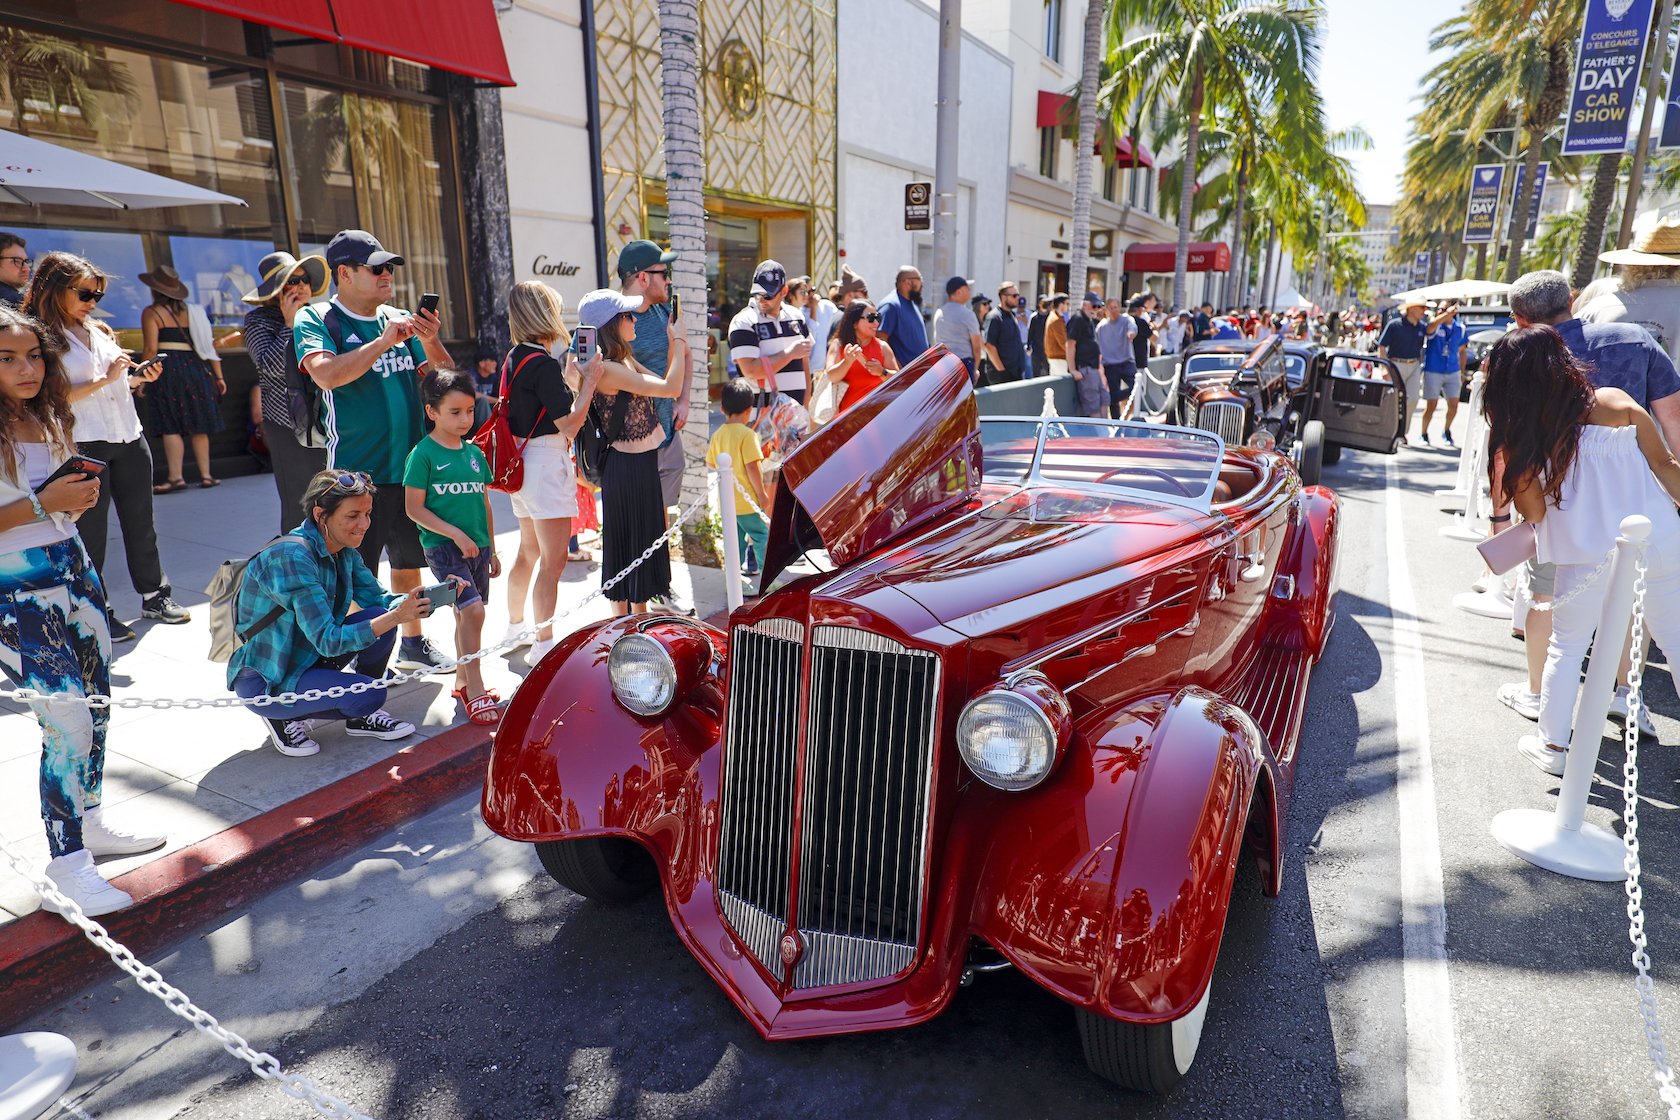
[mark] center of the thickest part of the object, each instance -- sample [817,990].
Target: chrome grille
[868,768]
[760,751]
[1226,419]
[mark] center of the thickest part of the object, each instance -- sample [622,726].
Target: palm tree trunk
[1519,226]
[1598,213]
[1187,194]
[685,168]
[1235,297]
[1083,153]
[1266,276]
[1481,261]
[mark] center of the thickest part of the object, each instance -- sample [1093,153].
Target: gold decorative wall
[767,105]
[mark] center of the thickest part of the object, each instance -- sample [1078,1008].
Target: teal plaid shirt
[316,587]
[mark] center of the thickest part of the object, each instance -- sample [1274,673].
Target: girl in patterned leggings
[53,635]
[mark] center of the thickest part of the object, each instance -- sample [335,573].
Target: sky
[1374,57]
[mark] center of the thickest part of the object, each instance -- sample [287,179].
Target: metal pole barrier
[1475,431]
[731,541]
[1562,841]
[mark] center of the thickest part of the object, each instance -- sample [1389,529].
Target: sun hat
[277,267]
[601,306]
[1413,302]
[165,281]
[1657,247]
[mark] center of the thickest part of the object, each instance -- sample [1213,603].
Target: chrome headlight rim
[631,644]
[1007,695]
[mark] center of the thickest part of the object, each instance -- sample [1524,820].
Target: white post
[731,542]
[1468,524]
[1562,841]
[1049,403]
[1475,432]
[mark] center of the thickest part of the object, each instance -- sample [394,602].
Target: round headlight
[644,678]
[1007,740]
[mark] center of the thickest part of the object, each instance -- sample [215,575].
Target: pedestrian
[1202,323]
[956,328]
[850,287]
[544,413]
[1084,357]
[857,359]
[820,314]
[367,359]
[1035,338]
[644,271]
[53,635]
[1055,334]
[737,439]
[1577,460]
[14,269]
[1119,363]
[1141,309]
[294,611]
[1646,291]
[1177,331]
[1005,348]
[769,340]
[901,316]
[632,515]
[286,286]
[444,493]
[62,294]
[1401,342]
[1446,353]
[186,398]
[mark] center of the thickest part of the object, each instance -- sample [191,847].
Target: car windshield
[1365,369]
[1175,465]
[1209,363]
[1296,368]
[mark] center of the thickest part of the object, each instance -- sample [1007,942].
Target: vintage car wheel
[603,868]
[1332,454]
[1149,1059]
[1309,452]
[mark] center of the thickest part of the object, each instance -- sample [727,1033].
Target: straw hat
[277,267]
[165,281]
[1658,246]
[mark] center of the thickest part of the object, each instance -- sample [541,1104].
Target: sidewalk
[197,774]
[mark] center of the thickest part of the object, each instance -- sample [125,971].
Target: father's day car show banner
[1533,202]
[1607,69]
[1485,181]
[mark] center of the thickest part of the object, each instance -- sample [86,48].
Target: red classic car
[1042,698]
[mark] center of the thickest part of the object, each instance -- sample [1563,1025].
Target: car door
[1361,401]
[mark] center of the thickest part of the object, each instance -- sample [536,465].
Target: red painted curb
[45,960]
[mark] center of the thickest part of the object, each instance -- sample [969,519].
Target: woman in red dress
[857,359]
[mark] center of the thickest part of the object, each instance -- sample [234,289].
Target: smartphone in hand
[583,343]
[429,302]
[439,595]
[139,368]
[84,465]
[676,306]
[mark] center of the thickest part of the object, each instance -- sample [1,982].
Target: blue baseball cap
[768,278]
[357,246]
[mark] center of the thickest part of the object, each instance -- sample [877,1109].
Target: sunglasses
[88,295]
[300,279]
[872,317]
[349,482]
[386,269]
[657,271]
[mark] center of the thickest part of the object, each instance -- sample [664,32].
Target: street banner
[1607,69]
[1479,211]
[1420,269]
[1670,135]
[1533,204]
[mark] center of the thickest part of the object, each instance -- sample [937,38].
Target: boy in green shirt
[444,493]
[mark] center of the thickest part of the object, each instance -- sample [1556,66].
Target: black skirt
[633,517]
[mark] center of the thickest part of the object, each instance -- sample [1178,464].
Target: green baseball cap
[639,255]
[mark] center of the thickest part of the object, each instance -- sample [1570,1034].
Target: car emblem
[791,949]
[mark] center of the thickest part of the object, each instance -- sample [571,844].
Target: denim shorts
[445,560]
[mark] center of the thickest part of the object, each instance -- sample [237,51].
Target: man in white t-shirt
[769,341]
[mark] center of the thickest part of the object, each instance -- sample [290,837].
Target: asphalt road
[1328,1001]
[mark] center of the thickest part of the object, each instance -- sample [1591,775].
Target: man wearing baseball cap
[367,358]
[1084,357]
[644,272]
[957,327]
[770,341]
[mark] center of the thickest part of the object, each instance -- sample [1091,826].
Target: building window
[1053,30]
[1111,180]
[1048,144]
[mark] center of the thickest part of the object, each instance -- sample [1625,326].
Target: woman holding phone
[299,633]
[52,609]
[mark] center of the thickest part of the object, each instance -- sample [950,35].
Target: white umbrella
[1291,299]
[1457,289]
[36,173]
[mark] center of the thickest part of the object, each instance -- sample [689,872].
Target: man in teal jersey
[367,358]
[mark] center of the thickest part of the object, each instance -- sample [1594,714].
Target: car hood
[894,462]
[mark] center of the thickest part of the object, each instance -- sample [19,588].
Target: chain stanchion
[1475,434]
[731,542]
[1470,523]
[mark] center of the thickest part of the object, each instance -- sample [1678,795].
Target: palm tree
[1209,53]
[1085,145]
[1597,216]
[63,73]
[685,168]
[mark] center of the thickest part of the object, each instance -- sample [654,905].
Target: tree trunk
[1084,148]
[1266,274]
[685,168]
[1187,194]
[1598,214]
[1239,242]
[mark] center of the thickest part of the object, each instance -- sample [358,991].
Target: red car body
[1177,635]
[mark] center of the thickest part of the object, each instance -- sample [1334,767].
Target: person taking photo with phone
[286,287]
[367,358]
[644,270]
[293,615]
[53,636]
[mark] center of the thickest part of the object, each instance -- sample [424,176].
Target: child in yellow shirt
[737,440]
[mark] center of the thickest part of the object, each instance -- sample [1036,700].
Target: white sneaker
[1549,760]
[513,639]
[1619,712]
[1519,699]
[76,877]
[291,737]
[102,838]
[539,650]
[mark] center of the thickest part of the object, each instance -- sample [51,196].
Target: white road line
[1432,1090]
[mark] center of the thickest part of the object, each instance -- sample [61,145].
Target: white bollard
[731,541]
[1562,841]
[35,1070]
[1049,403]
[1475,432]
[1469,524]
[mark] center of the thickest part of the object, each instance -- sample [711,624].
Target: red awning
[1128,155]
[458,35]
[1205,256]
[1051,108]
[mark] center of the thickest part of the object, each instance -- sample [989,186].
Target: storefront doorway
[1052,277]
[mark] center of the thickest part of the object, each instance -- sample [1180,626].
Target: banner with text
[1607,69]
[1533,202]
[1670,135]
[1479,212]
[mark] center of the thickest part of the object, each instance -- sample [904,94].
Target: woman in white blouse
[62,295]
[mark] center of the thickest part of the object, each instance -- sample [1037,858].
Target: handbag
[496,440]
[594,440]
[1504,551]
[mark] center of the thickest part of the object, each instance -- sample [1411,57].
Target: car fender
[1109,884]
[1303,593]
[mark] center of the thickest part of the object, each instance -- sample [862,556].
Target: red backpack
[505,455]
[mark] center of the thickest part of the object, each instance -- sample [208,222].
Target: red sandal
[481,709]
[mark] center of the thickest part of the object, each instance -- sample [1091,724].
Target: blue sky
[1375,55]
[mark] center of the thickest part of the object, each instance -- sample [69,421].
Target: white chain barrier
[338,692]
